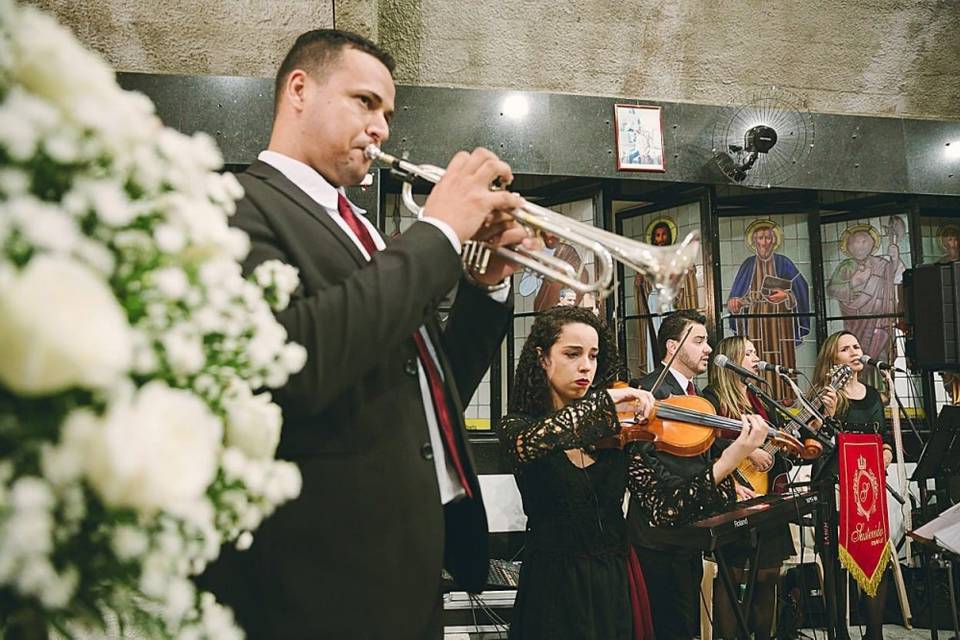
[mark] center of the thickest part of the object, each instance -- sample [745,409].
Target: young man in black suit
[668,490]
[375,419]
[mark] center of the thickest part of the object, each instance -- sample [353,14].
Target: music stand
[940,459]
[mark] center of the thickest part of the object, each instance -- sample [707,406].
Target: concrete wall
[877,57]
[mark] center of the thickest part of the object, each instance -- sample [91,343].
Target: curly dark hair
[531,389]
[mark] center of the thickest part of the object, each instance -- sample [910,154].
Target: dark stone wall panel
[574,135]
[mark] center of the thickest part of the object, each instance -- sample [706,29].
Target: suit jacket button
[426,451]
[410,366]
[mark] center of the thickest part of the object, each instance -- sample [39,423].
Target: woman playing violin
[730,397]
[669,490]
[578,579]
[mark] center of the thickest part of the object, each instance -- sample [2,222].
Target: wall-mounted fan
[760,141]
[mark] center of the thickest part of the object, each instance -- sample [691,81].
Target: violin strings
[709,420]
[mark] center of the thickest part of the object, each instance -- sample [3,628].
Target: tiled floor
[890,632]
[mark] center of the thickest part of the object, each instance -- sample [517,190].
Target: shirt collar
[682,379]
[307,179]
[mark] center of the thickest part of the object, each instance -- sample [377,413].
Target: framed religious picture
[639,137]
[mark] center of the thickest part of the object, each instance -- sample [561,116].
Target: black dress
[866,415]
[574,581]
[669,491]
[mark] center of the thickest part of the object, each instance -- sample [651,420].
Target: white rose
[237,243]
[232,185]
[293,357]
[63,146]
[170,238]
[244,541]
[96,255]
[44,225]
[108,200]
[171,282]
[129,542]
[61,327]
[184,351]
[284,482]
[253,424]
[14,182]
[181,595]
[158,452]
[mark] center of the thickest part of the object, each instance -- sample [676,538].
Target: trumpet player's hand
[512,235]
[463,198]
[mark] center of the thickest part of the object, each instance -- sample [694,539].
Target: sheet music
[949,538]
[501,499]
[939,526]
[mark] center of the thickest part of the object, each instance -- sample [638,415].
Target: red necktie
[691,390]
[437,391]
[359,229]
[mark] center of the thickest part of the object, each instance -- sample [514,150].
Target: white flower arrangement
[135,438]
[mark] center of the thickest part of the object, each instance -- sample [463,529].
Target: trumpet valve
[476,256]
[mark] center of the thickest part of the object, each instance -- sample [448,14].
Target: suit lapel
[452,396]
[671,383]
[281,183]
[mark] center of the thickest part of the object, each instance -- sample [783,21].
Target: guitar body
[758,480]
[763,482]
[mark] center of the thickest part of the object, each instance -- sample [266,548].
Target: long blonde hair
[730,391]
[826,360]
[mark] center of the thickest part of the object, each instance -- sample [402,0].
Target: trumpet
[665,266]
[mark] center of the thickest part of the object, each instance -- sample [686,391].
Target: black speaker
[921,599]
[931,297]
[801,601]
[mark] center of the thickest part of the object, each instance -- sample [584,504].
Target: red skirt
[639,602]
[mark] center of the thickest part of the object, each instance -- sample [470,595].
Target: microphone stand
[903,412]
[804,430]
[825,536]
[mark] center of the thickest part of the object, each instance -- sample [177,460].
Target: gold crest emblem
[866,489]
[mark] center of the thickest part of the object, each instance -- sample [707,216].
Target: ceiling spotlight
[515,106]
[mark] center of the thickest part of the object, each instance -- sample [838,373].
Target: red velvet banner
[864,527]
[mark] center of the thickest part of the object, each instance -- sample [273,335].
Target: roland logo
[741,522]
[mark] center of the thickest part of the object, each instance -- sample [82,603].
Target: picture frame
[639,131]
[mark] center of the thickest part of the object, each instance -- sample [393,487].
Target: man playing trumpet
[374,420]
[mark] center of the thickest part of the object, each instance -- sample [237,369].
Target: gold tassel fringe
[869,585]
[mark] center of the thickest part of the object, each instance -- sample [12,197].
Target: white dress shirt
[682,379]
[327,196]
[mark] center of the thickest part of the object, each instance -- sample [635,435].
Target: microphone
[724,362]
[880,364]
[777,368]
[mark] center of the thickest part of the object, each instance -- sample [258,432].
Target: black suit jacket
[359,553]
[639,530]
[670,385]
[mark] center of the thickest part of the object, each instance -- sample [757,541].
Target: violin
[686,426]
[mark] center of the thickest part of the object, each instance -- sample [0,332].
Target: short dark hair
[674,324]
[315,49]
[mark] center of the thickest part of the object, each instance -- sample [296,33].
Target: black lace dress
[575,581]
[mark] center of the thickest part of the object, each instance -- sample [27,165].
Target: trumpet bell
[663,266]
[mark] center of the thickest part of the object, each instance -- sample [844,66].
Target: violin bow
[666,367]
